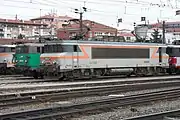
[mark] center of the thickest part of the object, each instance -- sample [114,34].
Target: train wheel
[159,70]
[68,76]
[170,71]
[87,73]
[11,71]
[152,71]
[41,76]
[35,75]
[98,72]
[4,71]
[144,71]
[77,74]
[138,72]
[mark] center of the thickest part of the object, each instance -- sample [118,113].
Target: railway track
[93,106]
[8,100]
[57,85]
[21,79]
[168,115]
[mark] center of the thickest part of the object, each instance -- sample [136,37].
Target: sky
[102,11]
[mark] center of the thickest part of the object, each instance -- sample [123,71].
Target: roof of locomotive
[100,43]
[7,45]
[31,44]
[174,46]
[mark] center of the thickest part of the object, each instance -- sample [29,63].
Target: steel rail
[94,83]
[32,80]
[56,112]
[158,116]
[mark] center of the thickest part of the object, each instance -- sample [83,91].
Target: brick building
[12,29]
[127,34]
[53,20]
[171,27]
[53,25]
[95,30]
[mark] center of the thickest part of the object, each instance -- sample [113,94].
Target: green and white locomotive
[27,58]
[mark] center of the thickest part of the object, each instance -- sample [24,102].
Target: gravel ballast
[74,101]
[114,114]
[131,111]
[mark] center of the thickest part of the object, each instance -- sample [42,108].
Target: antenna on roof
[84,3]
[40,12]
[16,17]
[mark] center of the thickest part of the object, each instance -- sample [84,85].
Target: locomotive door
[75,57]
[160,54]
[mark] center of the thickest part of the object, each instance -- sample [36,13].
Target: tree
[157,38]
[20,36]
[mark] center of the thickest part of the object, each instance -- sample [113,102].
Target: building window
[1,35]
[128,38]
[111,34]
[8,35]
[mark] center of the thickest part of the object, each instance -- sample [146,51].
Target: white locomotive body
[85,58]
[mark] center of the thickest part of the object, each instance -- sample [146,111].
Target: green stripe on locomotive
[29,60]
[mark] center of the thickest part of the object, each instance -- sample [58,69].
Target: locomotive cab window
[169,50]
[13,49]
[7,49]
[38,50]
[2,49]
[173,52]
[53,48]
[22,49]
[57,48]
[75,48]
[42,49]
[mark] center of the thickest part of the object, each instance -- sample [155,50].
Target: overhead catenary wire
[55,3]
[69,5]
[107,12]
[114,2]
[36,3]
[24,7]
[13,15]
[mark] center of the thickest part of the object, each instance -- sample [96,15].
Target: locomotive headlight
[5,60]
[54,62]
[43,61]
[25,61]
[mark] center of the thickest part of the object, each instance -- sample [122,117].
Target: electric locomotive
[77,59]
[6,55]
[27,58]
[174,58]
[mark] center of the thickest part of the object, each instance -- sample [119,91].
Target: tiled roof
[97,25]
[25,22]
[126,34]
[52,17]
[91,24]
